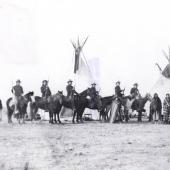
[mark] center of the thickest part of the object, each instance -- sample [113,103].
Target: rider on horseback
[69,89]
[46,92]
[70,92]
[118,90]
[93,90]
[134,91]
[94,94]
[119,94]
[17,90]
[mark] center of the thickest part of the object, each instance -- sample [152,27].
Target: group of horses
[78,103]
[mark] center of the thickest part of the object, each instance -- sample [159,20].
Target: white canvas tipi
[162,86]
[85,71]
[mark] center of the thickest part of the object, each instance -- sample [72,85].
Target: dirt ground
[87,146]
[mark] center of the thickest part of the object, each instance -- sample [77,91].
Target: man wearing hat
[93,90]
[134,91]
[17,90]
[45,90]
[119,95]
[93,94]
[118,90]
[69,88]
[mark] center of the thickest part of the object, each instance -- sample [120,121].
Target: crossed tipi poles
[167,56]
[78,50]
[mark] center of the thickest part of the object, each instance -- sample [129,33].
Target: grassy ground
[87,146]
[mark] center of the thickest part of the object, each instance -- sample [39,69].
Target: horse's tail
[7,104]
[9,109]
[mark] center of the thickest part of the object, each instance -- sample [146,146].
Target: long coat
[118,91]
[69,89]
[157,102]
[17,90]
[45,90]
[134,91]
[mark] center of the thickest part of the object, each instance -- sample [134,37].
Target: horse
[84,101]
[135,104]
[53,104]
[22,107]
[79,102]
[106,106]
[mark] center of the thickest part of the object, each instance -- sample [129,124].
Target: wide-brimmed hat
[18,81]
[44,81]
[69,81]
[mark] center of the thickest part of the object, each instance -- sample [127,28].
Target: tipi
[82,72]
[162,86]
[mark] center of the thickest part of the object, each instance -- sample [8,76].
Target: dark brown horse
[79,102]
[106,106]
[22,107]
[53,104]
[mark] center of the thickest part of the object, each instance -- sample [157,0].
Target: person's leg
[16,104]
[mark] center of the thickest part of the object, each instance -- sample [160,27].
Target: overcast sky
[126,36]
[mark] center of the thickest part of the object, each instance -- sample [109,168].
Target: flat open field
[87,146]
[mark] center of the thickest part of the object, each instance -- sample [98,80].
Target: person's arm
[12,90]
[49,91]
[42,89]
[115,90]
[67,88]
[22,91]
[131,91]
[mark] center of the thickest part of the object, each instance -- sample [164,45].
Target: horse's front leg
[55,120]
[23,118]
[139,116]
[74,115]
[77,117]
[50,117]
[19,118]
[81,117]
[58,117]
[10,117]
[126,115]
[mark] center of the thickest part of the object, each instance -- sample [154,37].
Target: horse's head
[60,92]
[148,96]
[60,96]
[29,96]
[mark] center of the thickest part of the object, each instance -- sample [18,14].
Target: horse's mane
[83,93]
[107,98]
[37,98]
[29,94]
